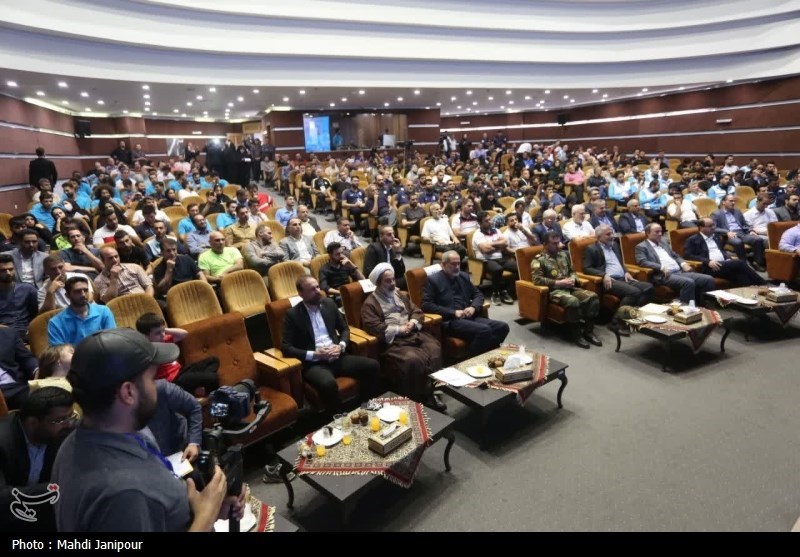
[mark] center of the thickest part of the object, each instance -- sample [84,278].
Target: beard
[145,412]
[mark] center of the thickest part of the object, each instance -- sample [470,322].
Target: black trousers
[322,376]
[483,334]
[495,268]
[738,272]
[635,293]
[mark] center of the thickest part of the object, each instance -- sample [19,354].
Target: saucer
[320,438]
[655,319]
[479,372]
[389,413]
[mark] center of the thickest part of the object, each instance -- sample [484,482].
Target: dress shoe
[581,342]
[506,298]
[758,267]
[592,338]
[434,402]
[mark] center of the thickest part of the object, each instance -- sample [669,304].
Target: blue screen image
[317,133]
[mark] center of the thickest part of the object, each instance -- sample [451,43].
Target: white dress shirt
[714,253]
[666,259]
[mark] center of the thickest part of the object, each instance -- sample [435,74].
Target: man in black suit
[600,215]
[451,294]
[634,220]
[730,224]
[41,168]
[707,249]
[314,332]
[548,224]
[386,250]
[29,441]
[603,259]
[17,366]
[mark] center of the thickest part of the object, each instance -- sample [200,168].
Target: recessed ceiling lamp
[188,103]
[84,94]
[240,99]
[11,83]
[491,98]
[199,97]
[255,91]
[40,93]
[416,91]
[547,91]
[286,99]
[360,91]
[146,87]
[385,104]
[344,99]
[400,99]
[63,84]
[508,91]
[145,96]
[302,91]
[175,110]
[333,104]
[230,104]
[101,101]
[212,89]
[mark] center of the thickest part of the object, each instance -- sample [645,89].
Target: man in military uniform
[552,268]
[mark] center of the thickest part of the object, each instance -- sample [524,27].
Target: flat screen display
[317,131]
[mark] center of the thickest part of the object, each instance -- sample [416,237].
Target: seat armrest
[590,282]
[639,273]
[282,375]
[427,248]
[433,324]
[475,267]
[532,300]
[363,344]
[695,265]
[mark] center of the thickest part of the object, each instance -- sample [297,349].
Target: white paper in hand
[181,468]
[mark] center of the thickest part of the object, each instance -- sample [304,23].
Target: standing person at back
[41,168]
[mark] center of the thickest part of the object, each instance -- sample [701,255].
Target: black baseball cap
[109,357]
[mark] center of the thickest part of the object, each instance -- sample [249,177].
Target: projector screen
[317,133]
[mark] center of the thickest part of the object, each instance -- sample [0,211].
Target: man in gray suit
[296,246]
[730,224]
[28,261]
[669,268]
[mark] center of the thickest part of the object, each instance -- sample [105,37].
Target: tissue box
[781,297]
[513,375]
[385,445]
[688,318]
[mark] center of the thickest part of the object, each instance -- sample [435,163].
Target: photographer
[110,478]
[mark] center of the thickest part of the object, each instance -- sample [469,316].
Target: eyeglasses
[71,418]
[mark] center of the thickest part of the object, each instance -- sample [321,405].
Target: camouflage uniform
[578,303]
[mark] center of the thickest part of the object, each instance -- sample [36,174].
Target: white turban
[380,268]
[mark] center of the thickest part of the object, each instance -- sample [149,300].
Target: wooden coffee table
[667,337]
[347,490]
[753,312]
[486,400]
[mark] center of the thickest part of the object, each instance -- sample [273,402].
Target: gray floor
[705,447]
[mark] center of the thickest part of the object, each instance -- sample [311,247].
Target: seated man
[518,235]
[119,279]
[337,272]
[552,268]
[18,300]
[219,260]
[199,239]
[451,294]
[378,206]
[308,222]
[437,231]
[240,232]
[80,258]
[129,252]
[286,212]
[28,260]
[729,222]
[228,218]
[386,250]
[578,226]
[706,249]
[80,318]
[154,246]
[633,221]
[343,235]
[105,234]
[17,367]
[412,215]
[186,224]
[603,259]
[549,224]
[682,210]
[296,246]
[408,353]
[315,333]
[489,246]
[669,268]
[760,216]
[51,294]
[465,221]
[262,253]
[600,215]
[174,268]
[791,210]
[790,240]
[29,442]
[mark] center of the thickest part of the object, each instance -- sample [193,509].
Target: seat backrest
[225,337]
[175,211]
[189,199]
[775,230]
[705,206]
[282,277]
[244,292]
[191,301]
[524,258]
[357,256]
[272,212]
[230,190]
[317,263]
[37,331]
[678,237]
[278,231]
[628,243]
[211,221]
[318,240]
[353,297]
[5,224]
[127,309]
[276,311]
[507,202]
[745,192]
[415,280]
[576,249]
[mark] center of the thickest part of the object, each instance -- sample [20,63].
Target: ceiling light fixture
[286,99]
[400,99]
[147,103]
[146,96]
[240,99]
[40,93]
[199,97]
[302,91]
[469,92]
[88,109]
[212,89]
[360,91]
[681,88]
[438,104]
[84,94]
[146,87]
[572,100]
[124,111]
[510,102]
[344,99]
[205,113]
[63,84]
[101,101]
[594,90]
[605,95]
[230,104]
[728,81]
[459,107]
[453,99]
[183,115]
[64,102]
[188,103]
[491,98]
[416,91]
[256,91]
[474,103]
[547,91]
[527,97]
[566,97]
[333,104]
[155,113]
[175,110]
[385,104]
[11,83]
[645,89]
